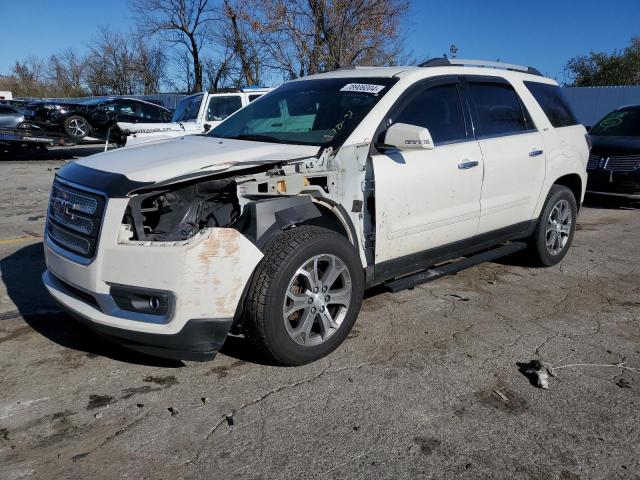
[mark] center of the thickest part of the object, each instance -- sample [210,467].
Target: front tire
[305,295]
[556,226]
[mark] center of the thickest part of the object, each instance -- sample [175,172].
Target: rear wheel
[555,228]
[305,295]
[77,127]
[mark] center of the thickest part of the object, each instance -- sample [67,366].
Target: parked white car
[274,223]
[194,114]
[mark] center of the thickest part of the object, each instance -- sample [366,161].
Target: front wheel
[555,228]
[305,295]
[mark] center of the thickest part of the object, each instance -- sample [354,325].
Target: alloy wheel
[317,300]
[78,127]
[558,227]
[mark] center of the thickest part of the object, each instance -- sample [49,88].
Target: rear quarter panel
[567,153]
[566,148]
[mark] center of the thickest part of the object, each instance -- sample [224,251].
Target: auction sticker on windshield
[362,87]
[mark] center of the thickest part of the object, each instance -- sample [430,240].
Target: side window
[498,109]
[108,107]
[254,96]
[150,112]
[4,109]
[553,103]
[221,107]
[438,109]
[125,107]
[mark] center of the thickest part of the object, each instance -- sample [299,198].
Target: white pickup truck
[195,114]
[274,223]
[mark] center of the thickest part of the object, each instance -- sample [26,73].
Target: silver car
[10,117]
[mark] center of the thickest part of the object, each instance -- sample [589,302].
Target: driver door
[428,198]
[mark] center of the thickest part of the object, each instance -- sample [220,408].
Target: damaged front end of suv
[167,263]
[158,246]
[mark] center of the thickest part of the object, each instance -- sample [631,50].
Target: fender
[263,219]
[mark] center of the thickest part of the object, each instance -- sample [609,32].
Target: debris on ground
[501,395]
[99,401]
[460,298]
[538,372]
[173,411]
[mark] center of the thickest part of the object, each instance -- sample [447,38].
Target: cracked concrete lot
[426,386]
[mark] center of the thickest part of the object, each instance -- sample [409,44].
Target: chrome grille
[61,213]
[79,202]
[68,240]
[627,163]
[74,218]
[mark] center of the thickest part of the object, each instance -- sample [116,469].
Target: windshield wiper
[256,138]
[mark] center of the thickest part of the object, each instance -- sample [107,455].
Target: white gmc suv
[274,223]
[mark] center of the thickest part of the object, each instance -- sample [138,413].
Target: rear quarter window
[553,103]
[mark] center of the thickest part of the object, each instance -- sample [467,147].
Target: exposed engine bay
[178,211]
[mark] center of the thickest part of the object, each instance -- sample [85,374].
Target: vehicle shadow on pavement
[69,152]
[240,349]
[21,274]
[610,202]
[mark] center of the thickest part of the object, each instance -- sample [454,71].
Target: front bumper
[620,184]
[199,340]
[205,278]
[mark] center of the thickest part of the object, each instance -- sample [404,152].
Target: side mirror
[407,137]
[207,127]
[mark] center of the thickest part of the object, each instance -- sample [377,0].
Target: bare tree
[30,76]
[66,73]
[183,79]
[178,22]
[220,72]
[150,63]
[111,64]
[239,35]
[309,36]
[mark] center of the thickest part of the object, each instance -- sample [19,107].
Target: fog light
[154,303]
[139,300]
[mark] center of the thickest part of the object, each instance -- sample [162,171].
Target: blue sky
[541,33]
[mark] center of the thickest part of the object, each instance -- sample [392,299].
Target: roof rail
[450,62]
[354,67]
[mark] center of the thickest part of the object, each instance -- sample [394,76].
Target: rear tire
[76,127]
[305,295]
[556,226]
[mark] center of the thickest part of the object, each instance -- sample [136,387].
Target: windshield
[622,123]
[187,109]
[308,112]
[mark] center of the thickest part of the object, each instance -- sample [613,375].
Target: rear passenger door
[512,151]
[428,198]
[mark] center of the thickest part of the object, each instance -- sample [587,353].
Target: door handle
[536,152]
[466,165]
